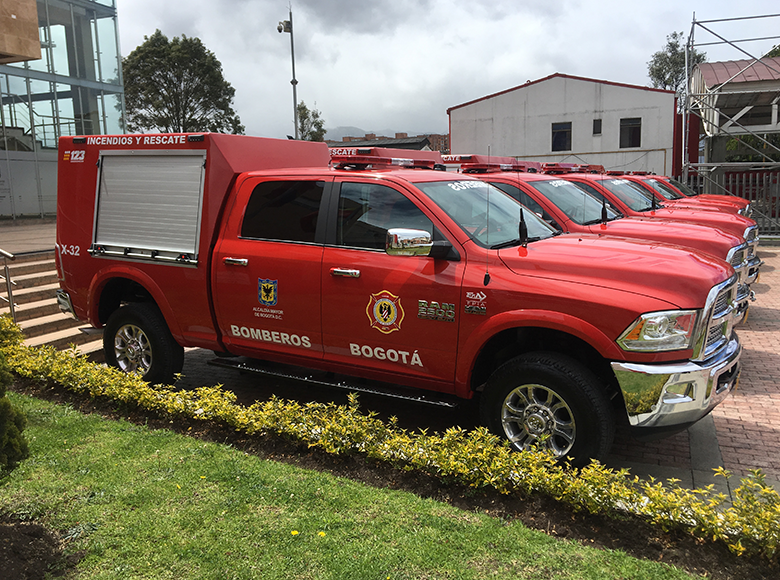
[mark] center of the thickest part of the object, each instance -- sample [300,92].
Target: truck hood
[678,276]
[728,222]
[698,204]
[713,241]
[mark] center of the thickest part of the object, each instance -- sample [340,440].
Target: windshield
[664,189]
[488,215]
[578,205]
[629,193]
[682,187]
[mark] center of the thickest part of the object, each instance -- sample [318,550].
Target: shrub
[751,525]
[13,445]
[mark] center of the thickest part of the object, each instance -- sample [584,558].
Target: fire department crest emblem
[385,312]
[267,292]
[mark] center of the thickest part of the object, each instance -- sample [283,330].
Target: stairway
[37,312]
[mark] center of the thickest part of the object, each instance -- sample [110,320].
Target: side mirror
[406,242]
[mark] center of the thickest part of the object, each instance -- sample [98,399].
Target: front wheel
[552,399]
[137,340]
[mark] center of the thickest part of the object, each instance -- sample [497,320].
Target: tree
[774,52]
[666,68]
[177,87]
[310,125]
[13,445]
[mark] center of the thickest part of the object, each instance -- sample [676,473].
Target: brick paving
[748,421]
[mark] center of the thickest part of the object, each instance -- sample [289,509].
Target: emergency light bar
[416,154]
[491,167]
[366,160]
[559,168]
[490,163]
[638,173]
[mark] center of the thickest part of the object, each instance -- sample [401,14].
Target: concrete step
[30,257]
[32,294]
[35,279]
[31,267]
[49,324]
[37,312]
[65,338]
[36,309]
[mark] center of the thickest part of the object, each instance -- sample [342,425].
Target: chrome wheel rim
[534,412]
[132,350]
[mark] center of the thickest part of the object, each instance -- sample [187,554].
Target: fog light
[679,393]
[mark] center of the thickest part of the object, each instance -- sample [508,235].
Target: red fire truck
[669,192]
[633,200]
[432,285]
[571,209]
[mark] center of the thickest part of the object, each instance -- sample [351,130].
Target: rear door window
[284,211]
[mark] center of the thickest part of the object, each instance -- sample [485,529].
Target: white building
[72,85]
[562,118]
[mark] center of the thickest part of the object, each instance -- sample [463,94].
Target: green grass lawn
[145,503]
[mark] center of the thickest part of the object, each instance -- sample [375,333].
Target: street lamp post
[287,26]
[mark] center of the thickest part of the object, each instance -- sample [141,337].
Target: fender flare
[508,320]
[105,275]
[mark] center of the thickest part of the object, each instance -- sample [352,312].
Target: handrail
[8,282]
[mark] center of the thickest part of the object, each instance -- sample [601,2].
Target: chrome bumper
[679,393]
[751,270]
[63,301]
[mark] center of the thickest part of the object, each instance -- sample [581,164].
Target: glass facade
[74,89]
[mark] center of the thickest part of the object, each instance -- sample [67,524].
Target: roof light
[558,168]
[489,163]
[491,167]
[365,160]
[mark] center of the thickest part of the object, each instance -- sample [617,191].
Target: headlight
[660,331]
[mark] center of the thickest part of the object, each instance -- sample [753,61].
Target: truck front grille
[738,258]
[719,313]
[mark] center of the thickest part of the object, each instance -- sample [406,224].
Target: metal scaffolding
[729,109]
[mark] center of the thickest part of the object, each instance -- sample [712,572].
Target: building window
[597,126]
[561,136]
[630,132]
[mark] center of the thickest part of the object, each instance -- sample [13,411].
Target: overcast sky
[399,64]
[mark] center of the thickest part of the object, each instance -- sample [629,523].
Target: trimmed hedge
[750,525]
[13,445]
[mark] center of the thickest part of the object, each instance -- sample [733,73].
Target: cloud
[402,63]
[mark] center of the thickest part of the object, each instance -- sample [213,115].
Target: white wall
[19,193]
[519,122]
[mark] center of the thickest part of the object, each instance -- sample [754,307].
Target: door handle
[347,273]
[235,261]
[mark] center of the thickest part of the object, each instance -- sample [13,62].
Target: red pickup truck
[571,209]
[432,285]
[633,200]
[670,193]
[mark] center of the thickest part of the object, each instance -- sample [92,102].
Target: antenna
[523,229]
[486,280]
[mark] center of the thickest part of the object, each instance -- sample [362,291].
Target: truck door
[266,270]
[394,317]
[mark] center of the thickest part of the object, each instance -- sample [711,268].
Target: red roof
[715,73]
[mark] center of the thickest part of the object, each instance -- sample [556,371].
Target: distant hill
[338,133]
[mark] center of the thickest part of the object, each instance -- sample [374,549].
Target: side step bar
[305,375]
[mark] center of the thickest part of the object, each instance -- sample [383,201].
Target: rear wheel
[137,340]
[552,399]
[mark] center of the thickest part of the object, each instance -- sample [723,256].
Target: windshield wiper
[515,242]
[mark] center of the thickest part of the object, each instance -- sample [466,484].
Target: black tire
[545,393]
[136,339]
